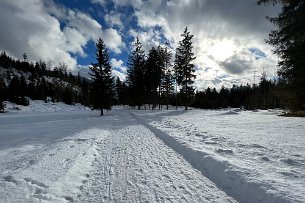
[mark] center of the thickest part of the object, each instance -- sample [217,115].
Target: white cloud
[118,64]
[23,23]
[114,19]
[149,38]
[119,70]
[118,74]
[135,3]
[113,40]
[101,2]
[34,27]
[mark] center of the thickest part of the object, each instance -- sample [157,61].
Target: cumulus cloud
[101,2]
[50,32]
[238,63]
[114,20]
[118,64]
[149,38]
[119,70]
[27,27]
[113,40]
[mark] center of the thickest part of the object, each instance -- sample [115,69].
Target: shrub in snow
[20,100]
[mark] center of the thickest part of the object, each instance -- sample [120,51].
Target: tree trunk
[159,96]
[102,112]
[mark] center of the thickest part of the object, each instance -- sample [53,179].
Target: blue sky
[228,35]
[97,12]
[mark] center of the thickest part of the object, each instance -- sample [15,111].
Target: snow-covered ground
[244,151]
[58,153]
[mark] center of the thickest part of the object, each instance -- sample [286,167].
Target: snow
[58,153]
[257,147]
[41,106]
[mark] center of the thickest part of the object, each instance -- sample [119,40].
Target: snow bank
[41,106]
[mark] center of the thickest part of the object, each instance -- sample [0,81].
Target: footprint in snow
[210,142]
[69,198]
[35,182]
[264,158]
[290,162]
[10,179]
[52,154]
[224,151]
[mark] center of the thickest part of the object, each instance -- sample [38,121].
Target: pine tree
[3,93]
[184,69]
[84,96]
[14,88]
[135,75]
[118,89]
[102,80]
[167,80]
[153,73]
[289,43]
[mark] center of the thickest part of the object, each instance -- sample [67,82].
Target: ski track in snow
[135,166]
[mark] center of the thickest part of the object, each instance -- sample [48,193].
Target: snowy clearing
[73,155]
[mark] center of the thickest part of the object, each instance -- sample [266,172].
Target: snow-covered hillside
[58,153]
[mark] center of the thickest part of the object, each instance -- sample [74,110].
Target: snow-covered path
[134,166]
[80,157]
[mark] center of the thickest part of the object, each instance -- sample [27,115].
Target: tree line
[265,95]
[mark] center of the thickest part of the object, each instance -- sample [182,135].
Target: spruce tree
[167,79]
[184,68]
[3,93]
[135,75]
[118,89]
[289,43]
[102,80]
[153,73]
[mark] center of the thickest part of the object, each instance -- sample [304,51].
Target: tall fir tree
[118,90]
[184,68]
[167,79]
[289,43]
[153,73]
[135,75]
[3,93]
[102,81]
